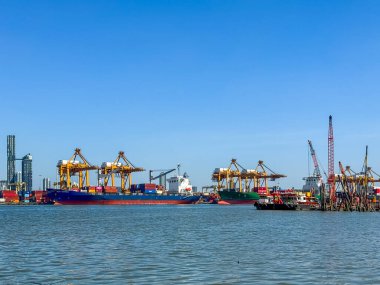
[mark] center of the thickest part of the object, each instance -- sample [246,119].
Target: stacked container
[260,190]
[37,196]
[110,189]
[10,196]
[147,188]
[133,188]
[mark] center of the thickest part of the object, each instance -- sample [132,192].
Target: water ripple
[186,245]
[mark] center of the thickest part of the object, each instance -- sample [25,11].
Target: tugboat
[278,200]
[287,200]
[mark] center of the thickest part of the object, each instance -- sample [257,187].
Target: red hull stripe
[124,202]
[237,202]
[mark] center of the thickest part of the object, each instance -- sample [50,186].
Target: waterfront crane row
[79,166]
[242,179]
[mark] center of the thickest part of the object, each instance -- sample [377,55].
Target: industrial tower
[331,173]
[11,158]
[27,175]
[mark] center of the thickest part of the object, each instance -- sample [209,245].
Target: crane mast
[331,177]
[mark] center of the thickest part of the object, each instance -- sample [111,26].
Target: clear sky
[190,82]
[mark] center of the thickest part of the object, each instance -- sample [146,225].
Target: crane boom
[317,171]
[163,173]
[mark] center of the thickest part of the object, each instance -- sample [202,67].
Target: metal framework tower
[11,158]
[331,149]
[331,173]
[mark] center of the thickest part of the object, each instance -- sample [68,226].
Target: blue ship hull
[63,197]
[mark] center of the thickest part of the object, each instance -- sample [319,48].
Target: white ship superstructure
[180,185]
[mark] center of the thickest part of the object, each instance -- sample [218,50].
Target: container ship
[70,193]
[180,192]
[69,197]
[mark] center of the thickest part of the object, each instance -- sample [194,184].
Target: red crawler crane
[331,178]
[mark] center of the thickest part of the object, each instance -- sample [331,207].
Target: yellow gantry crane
[242,179]
[262,175]
[71,167]
[121,167]
[228,178]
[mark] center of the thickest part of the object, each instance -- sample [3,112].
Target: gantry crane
[262,177]
[228,178]
[71,167]
[241,179]
[121,167]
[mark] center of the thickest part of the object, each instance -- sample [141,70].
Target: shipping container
[10,196]
[218,170]
[150,191]
[260,190]
[150,186]
[146,186]
[9,193]
[37,196]
[110,189]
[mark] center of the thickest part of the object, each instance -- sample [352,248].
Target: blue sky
[190,82]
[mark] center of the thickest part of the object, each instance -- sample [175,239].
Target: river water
[192,244]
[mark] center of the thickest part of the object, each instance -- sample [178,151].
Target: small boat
[287,200]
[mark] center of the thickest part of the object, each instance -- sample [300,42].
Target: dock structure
[352,191]
[348,190]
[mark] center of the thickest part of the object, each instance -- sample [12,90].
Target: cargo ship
[179,192]
[69,197]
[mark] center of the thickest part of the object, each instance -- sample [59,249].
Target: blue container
[141,186]
[150,192]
